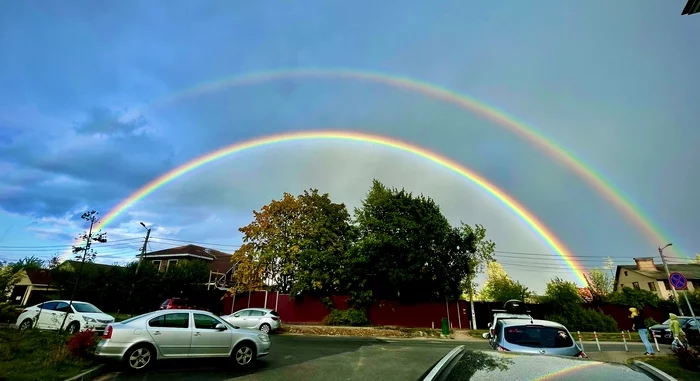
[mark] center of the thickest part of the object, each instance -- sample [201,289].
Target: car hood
[659,326]
[248,331]
[99,316]
[481,365]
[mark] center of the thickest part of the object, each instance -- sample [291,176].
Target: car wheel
[139,357]
[265,327]
[73,328]
[26,324]
[244,354]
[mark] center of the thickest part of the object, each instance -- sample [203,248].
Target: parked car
[179,304]
[50,315]
[536,337]
[177,334]
[263,319]
[513,309]
[688,325]
[462,364]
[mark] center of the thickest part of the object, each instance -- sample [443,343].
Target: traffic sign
[678,281]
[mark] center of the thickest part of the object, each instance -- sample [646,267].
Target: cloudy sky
[96,100]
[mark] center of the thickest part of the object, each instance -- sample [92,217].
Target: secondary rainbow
[532,221]
[596,180]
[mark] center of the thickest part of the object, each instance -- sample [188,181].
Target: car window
[243,313]
[86,308]
[257,313]
[205,322]
[177,320]
[48,305]
[274,313]
[666,322]
[165,303]
[692,323]
[61,307]
[538,336]
[129,320]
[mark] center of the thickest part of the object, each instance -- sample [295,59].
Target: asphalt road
[308,358]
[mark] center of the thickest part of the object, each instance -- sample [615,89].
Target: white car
[264,319]
[180,334]
[50,315]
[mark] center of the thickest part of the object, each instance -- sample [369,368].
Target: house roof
[690,271]
[210,254]
[76,265]
[39,276]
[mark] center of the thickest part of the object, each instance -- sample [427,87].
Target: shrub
[350,317]
[688,358]
[8,313]
[585,320]
[650,321]
[82,344]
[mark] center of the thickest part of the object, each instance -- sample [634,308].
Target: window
[176,320]
[157,264]
[205,322]
[538,336]
[242,313]
[48,305]
[635,285]
[692,323]
[667,285]
[652,286]
[170,261]
[257,313]
[61,307]
[86,308]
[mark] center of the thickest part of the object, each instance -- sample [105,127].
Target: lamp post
[668,276]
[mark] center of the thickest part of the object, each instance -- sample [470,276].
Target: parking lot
[329,358]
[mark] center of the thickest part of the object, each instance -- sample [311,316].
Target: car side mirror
[236,315]
[488,325]
[485,335]
[220,327]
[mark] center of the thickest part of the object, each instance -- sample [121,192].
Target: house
[585,294]
[647,275]
[33,284]
[220,267]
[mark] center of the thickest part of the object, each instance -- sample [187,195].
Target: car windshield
[681,320]
[129,320]
[86,308]
[538,336]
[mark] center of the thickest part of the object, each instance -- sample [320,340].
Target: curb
[661,375]
[89,374]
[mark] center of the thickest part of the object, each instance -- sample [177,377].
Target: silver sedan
[176,334]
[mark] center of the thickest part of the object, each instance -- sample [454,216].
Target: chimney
[645,264]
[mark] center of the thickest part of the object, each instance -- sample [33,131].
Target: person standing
[675,327]
[638,325]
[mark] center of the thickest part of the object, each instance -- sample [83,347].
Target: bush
[8,313]
[687,358]
[650,321]
[350,317]
[585,320]
[82,344]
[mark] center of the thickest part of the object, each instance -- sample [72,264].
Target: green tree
[499,287]
[600,283]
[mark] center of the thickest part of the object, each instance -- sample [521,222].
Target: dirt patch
[361,331]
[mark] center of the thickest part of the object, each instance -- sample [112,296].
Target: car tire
[265,328]
[139,358]
[73,327]
[26,324]
[243,354]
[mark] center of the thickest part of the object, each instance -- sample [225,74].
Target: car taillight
[582,355]
[274,318]
[501,349]
[493,332]
[108,333]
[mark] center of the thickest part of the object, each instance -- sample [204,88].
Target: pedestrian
[678,335]
[638,325]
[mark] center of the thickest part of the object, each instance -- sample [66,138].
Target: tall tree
[499,287]
[601,283]
[297,243]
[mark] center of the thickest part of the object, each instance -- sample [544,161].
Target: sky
[97,100]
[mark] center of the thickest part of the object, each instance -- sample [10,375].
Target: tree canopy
[398,245]
[499,287]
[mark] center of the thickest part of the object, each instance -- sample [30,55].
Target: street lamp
[668,277]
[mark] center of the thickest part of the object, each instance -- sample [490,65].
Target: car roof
[506,314]
[545,323]
[254,308]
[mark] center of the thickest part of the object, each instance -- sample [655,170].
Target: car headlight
[667,330]
[264,338]
[89,319]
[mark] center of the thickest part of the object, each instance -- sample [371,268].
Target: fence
[311,310]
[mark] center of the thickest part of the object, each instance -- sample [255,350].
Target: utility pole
[610,265]
[668,276]
[143,254]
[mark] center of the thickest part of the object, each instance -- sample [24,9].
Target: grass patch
[36,355]
[670,365]
[586,336]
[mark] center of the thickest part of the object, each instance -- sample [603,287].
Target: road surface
[309,358]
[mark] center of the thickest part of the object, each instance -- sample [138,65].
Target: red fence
[311,310]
